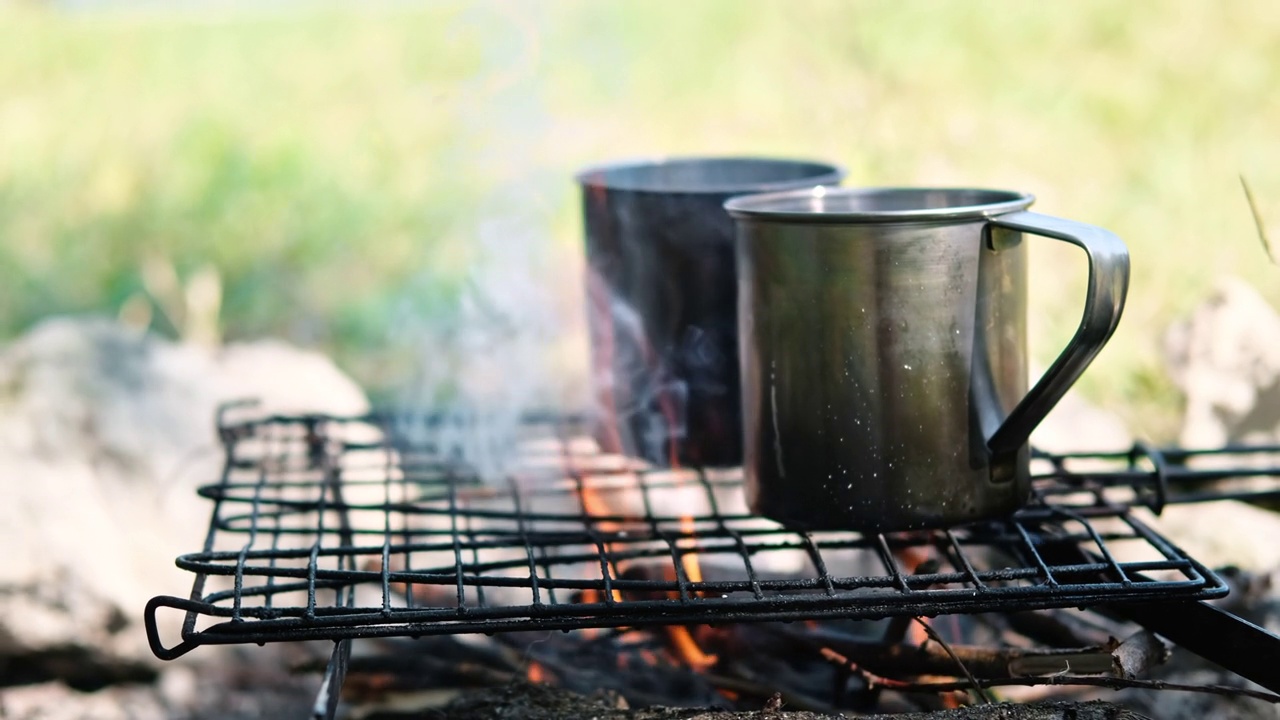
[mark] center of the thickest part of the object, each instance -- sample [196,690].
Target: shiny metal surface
[883,348]
[662,291]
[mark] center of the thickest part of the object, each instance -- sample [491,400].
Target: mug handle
[1103,303]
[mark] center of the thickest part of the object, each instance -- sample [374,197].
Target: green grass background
[335,166]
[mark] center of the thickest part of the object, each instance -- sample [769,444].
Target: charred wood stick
[425,664]
[369,683]
[1053,629]
[1208,631]
[1139,653]
[1113,683]
[982,662]
[951,653]
[931,659]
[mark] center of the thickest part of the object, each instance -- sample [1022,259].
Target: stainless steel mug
[662,304]
[883,345]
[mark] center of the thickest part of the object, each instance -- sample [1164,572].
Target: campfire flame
[687,650]
[595,504]
[682,640]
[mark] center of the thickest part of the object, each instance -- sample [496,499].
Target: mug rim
[790,205]
[595,176]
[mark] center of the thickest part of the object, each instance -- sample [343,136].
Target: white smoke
[491,361]
[495,352]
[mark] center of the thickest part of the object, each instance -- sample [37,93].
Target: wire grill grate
[334,528]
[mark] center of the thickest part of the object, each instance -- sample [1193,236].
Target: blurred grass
[334,164]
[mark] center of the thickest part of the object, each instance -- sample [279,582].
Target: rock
[105,433]
[1226,360]
[1225,357]
[242,688]
[54,701]
[95,391]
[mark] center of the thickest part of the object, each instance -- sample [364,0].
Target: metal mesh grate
[333,528]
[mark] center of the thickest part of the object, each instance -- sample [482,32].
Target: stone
[1225,358]
[54,701]
[105,434]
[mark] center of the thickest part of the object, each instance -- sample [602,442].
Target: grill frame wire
[291,532]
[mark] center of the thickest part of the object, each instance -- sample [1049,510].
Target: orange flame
[683,644]
[687,650]
[689,560]
[595,506]
[536,673]
[912,558]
